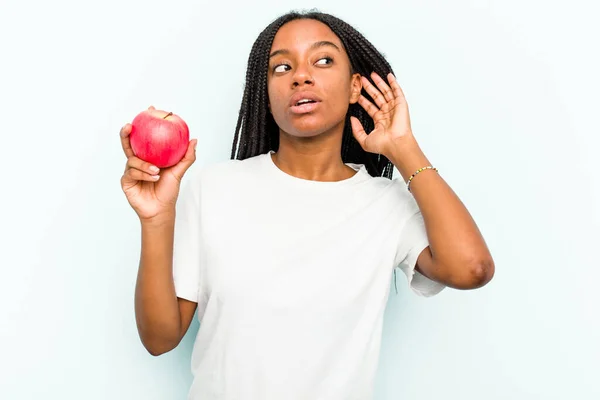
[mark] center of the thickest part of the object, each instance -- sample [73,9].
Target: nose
[302,76]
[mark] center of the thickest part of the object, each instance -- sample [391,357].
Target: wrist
[408,157]
[161,220]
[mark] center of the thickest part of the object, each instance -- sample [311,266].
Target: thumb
[358,131]
[187,160]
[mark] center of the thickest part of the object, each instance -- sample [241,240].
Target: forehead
[301,33]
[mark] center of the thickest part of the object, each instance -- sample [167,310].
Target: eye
[277,68]
[328,59]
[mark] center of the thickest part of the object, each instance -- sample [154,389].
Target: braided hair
[256,131]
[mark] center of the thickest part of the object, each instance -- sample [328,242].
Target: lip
[303,95]
[304,108]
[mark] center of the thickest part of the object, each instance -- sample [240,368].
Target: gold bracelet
[416,173]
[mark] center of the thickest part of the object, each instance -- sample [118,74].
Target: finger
[125,131]
[141,165]
[359,132]
[137,175]
[373,92]
[398,93]
[383,87]
[368,106]
[187,160]
[151,108]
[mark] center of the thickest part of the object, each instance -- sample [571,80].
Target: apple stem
[168,115]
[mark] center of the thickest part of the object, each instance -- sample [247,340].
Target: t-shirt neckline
[361,174]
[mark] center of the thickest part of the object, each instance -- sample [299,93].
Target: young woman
[287,251]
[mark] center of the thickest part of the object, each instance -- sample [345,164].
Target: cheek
[339,94]
[276,99]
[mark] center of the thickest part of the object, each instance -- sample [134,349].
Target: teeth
[303,101]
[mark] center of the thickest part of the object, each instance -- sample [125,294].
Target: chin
[305,133]
[308,127]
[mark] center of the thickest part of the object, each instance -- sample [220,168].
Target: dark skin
[310,144]
[306,56]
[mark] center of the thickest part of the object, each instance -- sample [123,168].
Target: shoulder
[394,187]
[393,194]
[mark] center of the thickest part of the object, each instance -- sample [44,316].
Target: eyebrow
[313,46]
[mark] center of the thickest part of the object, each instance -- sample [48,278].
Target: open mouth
[305,101]
[303,107]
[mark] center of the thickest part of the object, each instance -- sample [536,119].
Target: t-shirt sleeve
[411,242]
[186,245]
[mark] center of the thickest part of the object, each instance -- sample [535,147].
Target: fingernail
[156,177]
[154,169]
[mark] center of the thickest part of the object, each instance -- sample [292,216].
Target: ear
[355,88]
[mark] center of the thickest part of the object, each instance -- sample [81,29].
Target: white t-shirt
[291,277]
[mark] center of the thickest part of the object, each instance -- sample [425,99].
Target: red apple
[159,137]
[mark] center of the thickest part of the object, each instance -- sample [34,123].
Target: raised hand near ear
[389,113]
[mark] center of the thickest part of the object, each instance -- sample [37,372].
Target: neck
[317,158]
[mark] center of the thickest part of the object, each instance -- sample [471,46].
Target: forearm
[457,246]
[156,305]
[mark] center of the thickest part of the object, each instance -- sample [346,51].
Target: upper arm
[425,264]
[186,312]
[461,277]
[428,266]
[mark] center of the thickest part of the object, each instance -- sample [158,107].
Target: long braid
[256,131]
